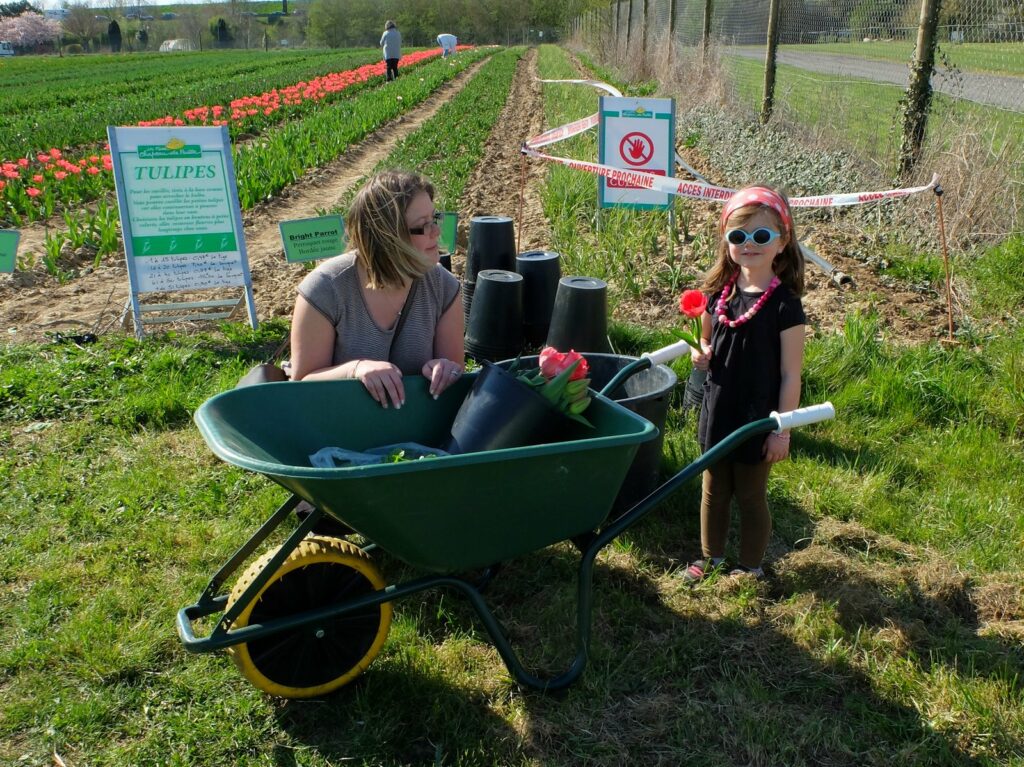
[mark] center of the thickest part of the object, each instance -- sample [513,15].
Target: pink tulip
[553,362]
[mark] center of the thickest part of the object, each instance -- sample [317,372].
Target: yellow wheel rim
[319,658]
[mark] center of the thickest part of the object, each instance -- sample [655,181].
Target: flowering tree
[29,30]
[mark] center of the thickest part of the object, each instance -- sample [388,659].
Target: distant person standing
[391,42]
[447,43]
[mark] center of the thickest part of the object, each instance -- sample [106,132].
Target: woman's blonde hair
[378,231]
[788,264]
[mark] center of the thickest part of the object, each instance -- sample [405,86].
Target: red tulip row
[33,188]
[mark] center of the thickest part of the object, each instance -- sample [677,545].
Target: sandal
[698,571]
[756,572]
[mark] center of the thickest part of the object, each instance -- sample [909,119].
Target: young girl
[753,345]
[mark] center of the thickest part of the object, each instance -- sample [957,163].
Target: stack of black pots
[579,317]
[495,327]
[492,245]
[541,270]
[514,302]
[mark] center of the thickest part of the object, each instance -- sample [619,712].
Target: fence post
[629,23]
[769,61]
[614,9]
[643,35]
[705,34]
[919,89]
[671,35]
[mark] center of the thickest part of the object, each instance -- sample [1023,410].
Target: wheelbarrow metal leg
[275,562]
[246,550]
[212,601]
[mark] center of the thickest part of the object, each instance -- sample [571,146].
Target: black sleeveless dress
[744,377]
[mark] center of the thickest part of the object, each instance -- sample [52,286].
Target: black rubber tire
[319,658]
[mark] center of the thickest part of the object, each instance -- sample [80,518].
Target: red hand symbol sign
[636,148]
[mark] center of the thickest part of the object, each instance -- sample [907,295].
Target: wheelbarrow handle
[667,353]
[647,360]
[803,416]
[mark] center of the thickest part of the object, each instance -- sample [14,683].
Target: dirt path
[33,303]
[494,187]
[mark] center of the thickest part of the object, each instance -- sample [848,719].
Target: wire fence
[843,66]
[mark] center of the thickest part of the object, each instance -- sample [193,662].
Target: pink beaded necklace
[745,317]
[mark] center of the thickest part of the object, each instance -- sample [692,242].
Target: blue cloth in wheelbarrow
[443,514]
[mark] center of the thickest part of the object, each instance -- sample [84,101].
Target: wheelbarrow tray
[443,514]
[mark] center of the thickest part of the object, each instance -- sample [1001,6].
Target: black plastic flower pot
[579,319]
[500,412]
[693,393]
[541,270]
[468,289]
[647,393]
[445,260]
[492,245]
[495,326]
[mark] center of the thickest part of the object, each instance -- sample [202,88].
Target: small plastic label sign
[449,231]
[312,239]
[8,249]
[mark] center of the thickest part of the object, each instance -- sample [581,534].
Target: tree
[221,32]
[192,25]
[82,23]
[328,22]
[114,36]
[29,30]
[10,10]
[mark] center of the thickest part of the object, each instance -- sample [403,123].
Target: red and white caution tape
[573,128]
[698,190]
[563,132]
[703,191]
[596,83]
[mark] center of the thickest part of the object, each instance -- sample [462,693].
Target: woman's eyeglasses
[433,223]
[761,236]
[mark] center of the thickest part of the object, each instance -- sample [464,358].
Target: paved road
[1004,91]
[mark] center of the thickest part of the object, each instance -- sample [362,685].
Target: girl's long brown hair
[788,264]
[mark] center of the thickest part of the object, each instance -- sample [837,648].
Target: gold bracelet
[781,435]
[355,370]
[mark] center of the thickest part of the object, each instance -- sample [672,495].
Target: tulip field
[40,180]
[888,628]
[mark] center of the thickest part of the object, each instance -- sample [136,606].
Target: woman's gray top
[334,290]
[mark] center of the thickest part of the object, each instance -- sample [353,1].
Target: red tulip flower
[692,303]
[562,380]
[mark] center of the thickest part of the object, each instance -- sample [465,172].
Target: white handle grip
[804,415]
[667,353]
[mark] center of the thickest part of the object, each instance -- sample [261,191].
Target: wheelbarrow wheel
[317,658]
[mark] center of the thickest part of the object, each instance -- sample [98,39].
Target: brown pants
[748,483]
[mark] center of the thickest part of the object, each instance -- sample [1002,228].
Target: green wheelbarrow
[309,616]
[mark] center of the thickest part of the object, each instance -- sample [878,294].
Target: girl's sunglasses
[435,222]
[760,236]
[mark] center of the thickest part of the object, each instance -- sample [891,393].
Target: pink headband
[758,195]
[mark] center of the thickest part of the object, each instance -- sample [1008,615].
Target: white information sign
[180,217]
[635,134]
